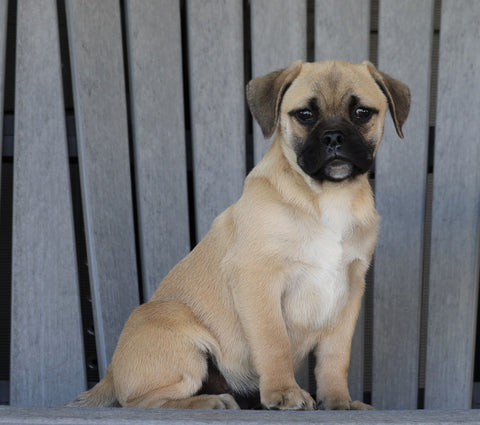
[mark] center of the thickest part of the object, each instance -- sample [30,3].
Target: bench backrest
[164,143]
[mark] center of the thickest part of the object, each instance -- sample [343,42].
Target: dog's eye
[361,115]
[304,116]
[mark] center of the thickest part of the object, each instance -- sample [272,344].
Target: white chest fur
[318,287]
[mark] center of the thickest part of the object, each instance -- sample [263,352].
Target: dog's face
[330,114]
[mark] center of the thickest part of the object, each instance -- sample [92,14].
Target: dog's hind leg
[161,360]
[101,395]
[156,399]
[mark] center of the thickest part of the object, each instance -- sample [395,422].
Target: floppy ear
[398,96]
[264,96]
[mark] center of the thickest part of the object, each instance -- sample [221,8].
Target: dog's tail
[101,395]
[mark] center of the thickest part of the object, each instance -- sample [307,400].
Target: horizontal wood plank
[72,416]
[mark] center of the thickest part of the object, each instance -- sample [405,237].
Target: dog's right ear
[397,93]
[264,96]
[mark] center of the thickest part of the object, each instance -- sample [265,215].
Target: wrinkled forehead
[333,85]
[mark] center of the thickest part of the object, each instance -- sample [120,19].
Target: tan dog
[281,272]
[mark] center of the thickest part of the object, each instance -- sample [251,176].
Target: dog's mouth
[338,169]
[335,168]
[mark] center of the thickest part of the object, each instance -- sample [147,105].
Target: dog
[282,271]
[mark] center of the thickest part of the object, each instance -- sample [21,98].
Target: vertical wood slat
[454,270]
[154,41]
[47,366]
[400,177]
[3,51]
[279,37]
[342,29]
[95,40]
[342,32]
[217,104]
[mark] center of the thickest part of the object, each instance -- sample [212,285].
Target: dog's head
[330,114]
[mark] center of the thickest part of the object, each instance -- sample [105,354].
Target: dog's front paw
[336,403]
[287,399]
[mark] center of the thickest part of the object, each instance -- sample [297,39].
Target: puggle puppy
[282,271]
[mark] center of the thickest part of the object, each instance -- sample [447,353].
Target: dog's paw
[218,402]
[288,399]
[358,405]
[333,403]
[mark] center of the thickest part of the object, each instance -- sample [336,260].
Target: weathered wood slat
[400,176]
[454,270]
[217,105]
[95,40]
[334,39]
[47,366]
[3,48]
[155,59]
[279,36]
[342,29]
[71,416]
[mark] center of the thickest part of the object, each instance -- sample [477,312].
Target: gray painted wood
[155,60]
[400,177]
[342,29]
[456,209]
[71,416]
[279,37]
[47,366]
[217,105]
[3,48]
[101,121]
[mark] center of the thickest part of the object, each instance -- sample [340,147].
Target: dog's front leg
[333,351]
[258,303]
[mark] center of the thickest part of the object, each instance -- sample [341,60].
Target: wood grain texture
[342,29]
[342,32]
[400,177]
[3,52]
[95,40]
[217,105]
[47,366]
[456,210]
[30,416]
[279,37]
[155,60]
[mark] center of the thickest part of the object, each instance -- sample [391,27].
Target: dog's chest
[318,287]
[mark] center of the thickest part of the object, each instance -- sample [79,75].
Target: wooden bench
[164,142]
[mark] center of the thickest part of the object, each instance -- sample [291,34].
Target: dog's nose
[333,140]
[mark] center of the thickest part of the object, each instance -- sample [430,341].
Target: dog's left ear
[398,96]
[264,96]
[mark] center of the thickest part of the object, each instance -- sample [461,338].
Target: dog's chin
[338,170]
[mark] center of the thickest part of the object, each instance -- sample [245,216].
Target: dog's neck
[284,174]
